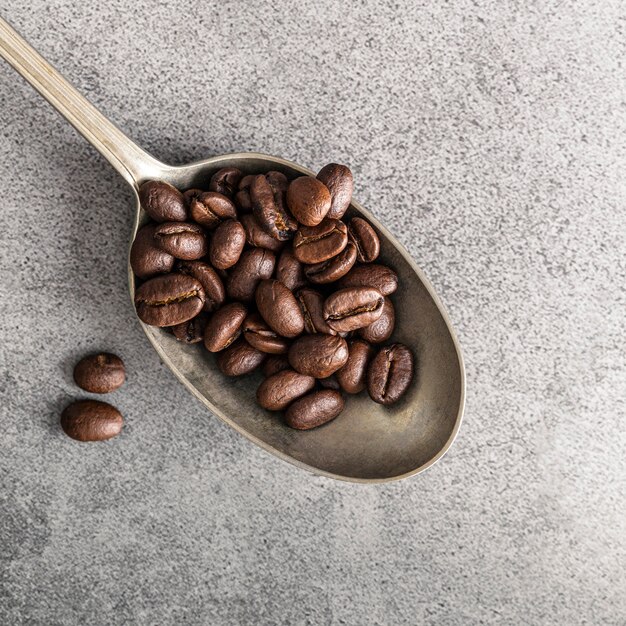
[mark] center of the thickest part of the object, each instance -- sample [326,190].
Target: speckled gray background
[490,137]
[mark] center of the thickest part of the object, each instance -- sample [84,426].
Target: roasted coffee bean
[191,331]
[210,209]
[224,327]
[312,306]
[100,373]
[380,277]
[146,258]
[382,328]
[279,308]
[349,309]
[275,363]
[278,391]
[267,193]
[253,266]
[318,355]
[352,377]
[260,336]
[315,409]
[390,373]
[365,239]
[240,358]
[330,382]
[333,269]
[91,420]
[225,181]
[308,200]
[257,237]
[314,244]
[209,279]
[162,202]
[242,197]
[182,240]
[338,179]
[190,195]
[169,300]
[289,271]
[227,244]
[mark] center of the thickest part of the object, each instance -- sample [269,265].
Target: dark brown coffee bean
[190,195]
[312,306]
[267,193]
[260,336]
[100,373]
[279,308]
[318,355]
[169,300]
[380,277]
[289,271]
[224,327]
[238,359]
[225,181]
[308,200]
[91,420]
[314,244]
[365,239]
[275,363]
[253,266]
[315,409]
[277,392]
[390,373]
[242,197]
[349,309]
[210,209]
[212,284]
[382,328]
[227,244]
[182,240]
[333,269]
[330,382]
[162,202]
[146,258]
[353,375]
[338,179]
[191,331]
[257,237]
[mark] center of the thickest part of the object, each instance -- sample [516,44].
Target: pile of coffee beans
[265,272]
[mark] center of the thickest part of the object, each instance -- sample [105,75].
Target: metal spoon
[367,442]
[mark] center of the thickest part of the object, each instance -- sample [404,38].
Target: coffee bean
[210,209]
[146,258]
[365,239]
[191,331]
[318,355]
[190,195]
[390,373]
[333,269]
[227,244]
[91,420]
[314,244]
[224,327]
[182,240]
[289,271]
[238,359]
[212,284]
[260,336]
[330,382]
[162,202]
[253,266]
[279,308]
[267,193]
[100,373]
[278,391]
[275,363]
[338,180]
[382,328]
[225,181]
[169,300]
[349,309]
[308,200]
[311,304]
[352,376]
[257,237]
[242,197]
[380,277]
[315,409]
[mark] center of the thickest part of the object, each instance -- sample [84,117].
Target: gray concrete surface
[490,137]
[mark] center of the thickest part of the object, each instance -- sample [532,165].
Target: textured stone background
[490,137]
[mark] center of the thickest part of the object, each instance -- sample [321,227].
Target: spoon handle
[133,163]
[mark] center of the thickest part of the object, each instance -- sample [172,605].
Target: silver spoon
[367,442]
